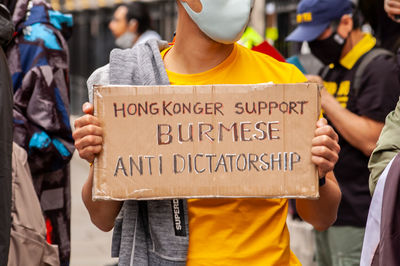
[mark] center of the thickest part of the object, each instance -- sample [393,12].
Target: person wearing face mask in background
[357,112]
[131,25]
[222,231]
[381,241]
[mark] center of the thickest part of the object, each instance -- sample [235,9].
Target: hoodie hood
[7,27]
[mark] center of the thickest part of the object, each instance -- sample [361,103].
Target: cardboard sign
[206,141]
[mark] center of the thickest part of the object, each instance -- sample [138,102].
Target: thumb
[322,122]
[87,108]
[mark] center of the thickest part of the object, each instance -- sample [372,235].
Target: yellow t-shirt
[240,231]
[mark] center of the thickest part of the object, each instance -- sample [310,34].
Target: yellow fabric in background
[240,231]
[250,38]
[272,34]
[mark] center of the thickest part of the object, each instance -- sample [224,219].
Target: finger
[88,141]
[326,141]
[89,153]
[314,78]
[87,108]
[392,10]
[88,158]
[322,163]
[87,130]
[324,166]
[322,122]
[393,4]
[327,131]
[325,153]
[86,120]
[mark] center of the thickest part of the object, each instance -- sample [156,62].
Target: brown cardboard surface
[206,141]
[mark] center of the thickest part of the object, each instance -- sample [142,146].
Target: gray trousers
[339,246]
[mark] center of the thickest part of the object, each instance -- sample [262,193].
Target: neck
[354,38]
[194,52]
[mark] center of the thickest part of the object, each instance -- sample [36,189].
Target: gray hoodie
[144,231]
[6,136]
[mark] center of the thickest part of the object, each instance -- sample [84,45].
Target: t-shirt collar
[363,46]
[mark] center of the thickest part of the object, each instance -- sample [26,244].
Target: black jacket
[6,136]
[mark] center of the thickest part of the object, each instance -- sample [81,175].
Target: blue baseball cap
[314,16]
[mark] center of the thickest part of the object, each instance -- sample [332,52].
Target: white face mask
[224,21]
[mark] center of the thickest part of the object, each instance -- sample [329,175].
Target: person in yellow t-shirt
[256,227]
[221,231]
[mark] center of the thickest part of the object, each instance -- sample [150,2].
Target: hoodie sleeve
[387,147]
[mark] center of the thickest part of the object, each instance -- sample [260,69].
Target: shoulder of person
[147,49]
[289,71]
[151,34]
[377,64]
[269,59]
[384,59]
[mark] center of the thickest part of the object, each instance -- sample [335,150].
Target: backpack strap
[365,61]
[324,71]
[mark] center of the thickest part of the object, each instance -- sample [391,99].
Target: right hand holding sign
[88,134]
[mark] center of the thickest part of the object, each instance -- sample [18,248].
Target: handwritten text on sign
[202,141]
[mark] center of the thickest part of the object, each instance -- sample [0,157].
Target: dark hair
[358,18]
[138,11]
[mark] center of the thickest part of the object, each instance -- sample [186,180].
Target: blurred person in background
[384,28]
[381,242]
[131,25]
[38,61]
[355,104]
[389,142]
[6,103]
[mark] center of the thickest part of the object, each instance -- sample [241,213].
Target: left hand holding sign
[325,148]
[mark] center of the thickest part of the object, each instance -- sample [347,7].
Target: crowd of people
[355,146]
